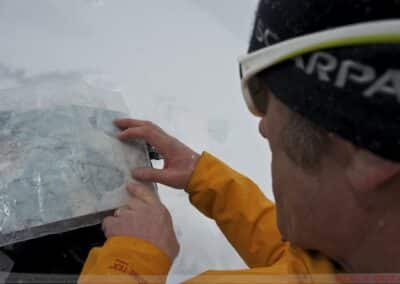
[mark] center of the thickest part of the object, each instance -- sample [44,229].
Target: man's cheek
[284,187]
[282,227]
[279,175]
[277,190]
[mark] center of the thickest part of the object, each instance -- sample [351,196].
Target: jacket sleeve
[126,260]
[245,216]
[295,266]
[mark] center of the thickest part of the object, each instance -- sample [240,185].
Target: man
[323,76]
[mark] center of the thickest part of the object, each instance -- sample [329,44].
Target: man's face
[307,202]
[289,183]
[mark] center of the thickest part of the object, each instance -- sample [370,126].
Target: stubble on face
[291,184]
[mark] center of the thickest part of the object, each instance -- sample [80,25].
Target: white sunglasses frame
[377,32]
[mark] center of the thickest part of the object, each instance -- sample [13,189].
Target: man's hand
[179,160]
[146,218]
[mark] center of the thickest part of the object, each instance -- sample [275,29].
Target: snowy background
[176,63]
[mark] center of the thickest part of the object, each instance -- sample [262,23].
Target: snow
[176,63]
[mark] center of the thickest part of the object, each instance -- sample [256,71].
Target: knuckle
[151,126]
[133,131]
[130,216]
[140,132]
[148,128]
[123,220]
[144,130]
[107,223]
[126,214]
[127,133]
[122,212]
[125,121]
[153,132]
[148,123]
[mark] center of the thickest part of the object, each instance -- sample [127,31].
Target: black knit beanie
[353,92]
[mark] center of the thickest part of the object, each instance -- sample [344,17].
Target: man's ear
[366,171]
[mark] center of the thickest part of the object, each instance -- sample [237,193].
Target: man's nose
[261,128]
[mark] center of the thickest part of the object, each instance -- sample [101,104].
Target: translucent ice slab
[61,166]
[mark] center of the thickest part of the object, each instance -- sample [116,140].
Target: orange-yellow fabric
[248,220]
[126,260]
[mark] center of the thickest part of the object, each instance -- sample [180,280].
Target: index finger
[151,134]
[126,123]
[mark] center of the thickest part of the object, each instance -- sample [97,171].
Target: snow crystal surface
[176,63]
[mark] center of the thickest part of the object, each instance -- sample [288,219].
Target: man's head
[336,170]
[331,195]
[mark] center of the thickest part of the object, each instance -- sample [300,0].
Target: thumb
[150,175]
[143,193]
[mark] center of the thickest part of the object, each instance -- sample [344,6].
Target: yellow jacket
[244,215]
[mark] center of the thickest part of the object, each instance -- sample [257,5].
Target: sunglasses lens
[258,94]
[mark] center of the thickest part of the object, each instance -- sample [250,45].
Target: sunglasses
[379,32]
